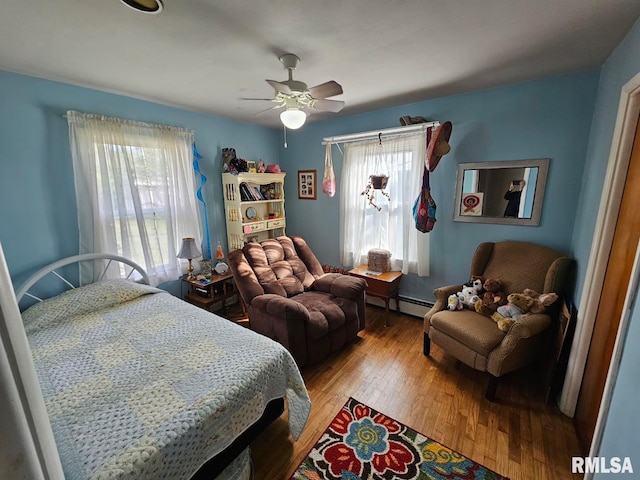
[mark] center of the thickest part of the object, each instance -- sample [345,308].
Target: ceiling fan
[295,97]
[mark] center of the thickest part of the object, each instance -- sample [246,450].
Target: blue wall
[547,118]
[38,221]
[622,422]
[550,118]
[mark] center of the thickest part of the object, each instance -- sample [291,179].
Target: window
[135,189]
[392,227]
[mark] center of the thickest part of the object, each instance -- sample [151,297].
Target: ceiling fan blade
[260,99]
[328,105]
[325,90]
[279,87]
[275,107]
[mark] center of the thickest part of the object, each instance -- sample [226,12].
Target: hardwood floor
[518,435]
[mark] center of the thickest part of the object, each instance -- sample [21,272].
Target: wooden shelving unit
[254,207]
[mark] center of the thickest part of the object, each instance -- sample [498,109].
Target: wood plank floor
[518,435]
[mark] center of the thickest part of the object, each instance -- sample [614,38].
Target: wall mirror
[505,192]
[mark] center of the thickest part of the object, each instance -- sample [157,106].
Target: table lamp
[189,250]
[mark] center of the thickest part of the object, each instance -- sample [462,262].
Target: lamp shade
[292,118]
[189,249]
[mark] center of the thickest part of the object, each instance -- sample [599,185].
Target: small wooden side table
[382,285]
[206,293]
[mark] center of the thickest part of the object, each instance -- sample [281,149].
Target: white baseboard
[410,306]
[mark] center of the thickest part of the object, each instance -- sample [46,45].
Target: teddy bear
[493,297]
[508,314]
[540,300]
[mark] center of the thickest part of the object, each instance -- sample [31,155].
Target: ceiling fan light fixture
[144,6]
[293,118]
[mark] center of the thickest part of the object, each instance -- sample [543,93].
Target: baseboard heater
[409,305]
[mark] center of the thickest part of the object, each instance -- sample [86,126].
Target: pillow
[86,299]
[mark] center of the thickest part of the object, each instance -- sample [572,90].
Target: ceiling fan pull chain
[285,135]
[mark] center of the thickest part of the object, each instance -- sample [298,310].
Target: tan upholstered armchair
[291,300]
[475,339]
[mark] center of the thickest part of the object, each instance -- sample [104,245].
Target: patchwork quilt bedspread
[139,384]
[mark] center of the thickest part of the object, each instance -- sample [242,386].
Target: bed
[139,384]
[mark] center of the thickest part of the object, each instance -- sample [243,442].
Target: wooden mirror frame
[543,167]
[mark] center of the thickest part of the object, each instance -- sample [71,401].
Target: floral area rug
[363,444]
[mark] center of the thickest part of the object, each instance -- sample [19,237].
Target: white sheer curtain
[363,227]
[135,190]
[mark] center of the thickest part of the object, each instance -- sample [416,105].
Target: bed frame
[213,466]
[87,257]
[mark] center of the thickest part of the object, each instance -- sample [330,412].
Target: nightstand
[383,285]
[206,293]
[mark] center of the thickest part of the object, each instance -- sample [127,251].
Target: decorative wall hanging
[329,178]
[378,180]
[196,166]
[307,184]
[472,204]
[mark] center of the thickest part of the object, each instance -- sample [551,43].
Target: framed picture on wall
[472,204]
[307,180]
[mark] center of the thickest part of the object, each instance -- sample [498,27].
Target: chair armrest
[531,324]
[442,298]
[280,307]
[523,344]
[343,286]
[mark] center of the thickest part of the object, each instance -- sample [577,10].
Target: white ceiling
[205,55]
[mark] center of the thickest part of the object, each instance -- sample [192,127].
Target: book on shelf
[256,192]
[245,193]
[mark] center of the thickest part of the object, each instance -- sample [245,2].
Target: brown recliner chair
[291,300]
[475,339]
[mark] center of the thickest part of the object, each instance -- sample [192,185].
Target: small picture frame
[251,167]
[471,204]
[307,180]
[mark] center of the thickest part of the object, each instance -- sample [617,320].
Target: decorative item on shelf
[268,191]
[189,250]
[261,166]
[231,163]
[219,252]
[251,213]
[205,268]
[220,267]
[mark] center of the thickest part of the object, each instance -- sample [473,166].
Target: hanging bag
[424,209]
[329,179]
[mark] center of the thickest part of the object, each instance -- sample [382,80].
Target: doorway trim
[610,201]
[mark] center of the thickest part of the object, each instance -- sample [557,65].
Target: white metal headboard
[109,258]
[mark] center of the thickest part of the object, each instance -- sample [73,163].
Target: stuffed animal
[508,314]
[493,297]
[540,300]
[476,282]
[454,302]
[469,296]
[470,292]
